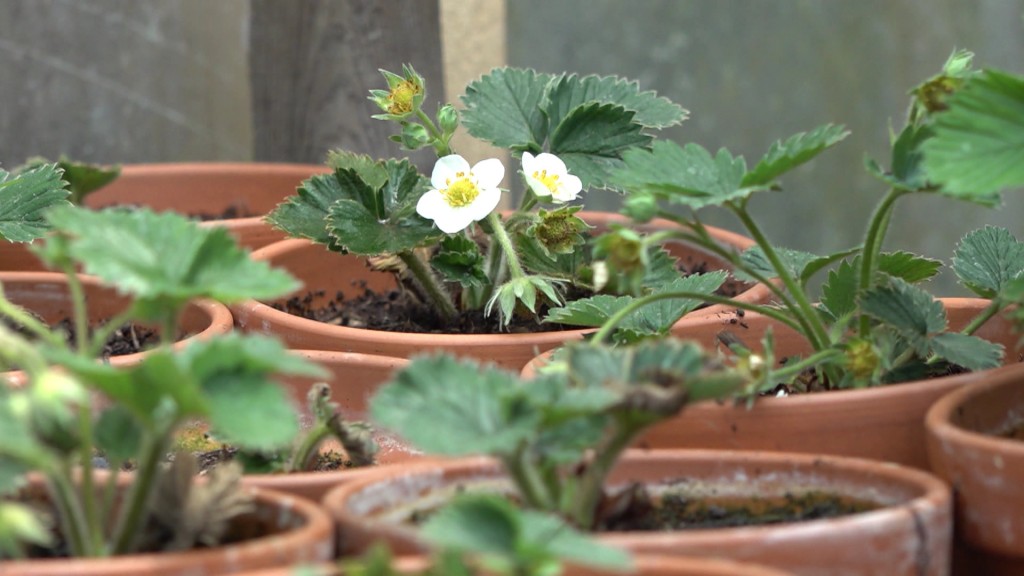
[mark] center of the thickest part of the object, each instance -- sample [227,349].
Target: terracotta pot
[644,565]
[322,270]
[199,189]
[967,447]
[299,531]
[354,378]
[909,533]
[883,423]
[46,294]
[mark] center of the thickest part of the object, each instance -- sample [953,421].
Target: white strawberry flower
[461,195]
[547,175]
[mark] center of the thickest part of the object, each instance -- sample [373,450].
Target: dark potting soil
[400,310]
[680,511]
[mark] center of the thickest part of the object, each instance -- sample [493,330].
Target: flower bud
[415,136]
[640,207]
[448,119]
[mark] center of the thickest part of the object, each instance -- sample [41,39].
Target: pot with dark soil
[347,305]
[974,443]
[46,296]
[556,442]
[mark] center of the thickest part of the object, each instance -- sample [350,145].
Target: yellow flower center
[460,193]
[550,181]
[401,97]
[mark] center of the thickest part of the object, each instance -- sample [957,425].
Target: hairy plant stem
[73,524]
[877,228]
[430,284]
[133,511]
[615,319]
[304,452]
[591,482]
[525,477]
[806,315]
[994,307]
[442,146]
[515,267]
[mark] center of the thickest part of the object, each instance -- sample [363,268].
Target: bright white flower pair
[461,195]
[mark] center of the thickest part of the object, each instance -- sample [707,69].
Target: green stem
[89,500]
[79,310]
[591,482]
[978,321]
[807,316]
[23,318]
[615,319]
[877,228]
[811,361]
[442,147]
[137,499]
[304,453]
[515,267]
[73,524]
[526,479]
[430,284]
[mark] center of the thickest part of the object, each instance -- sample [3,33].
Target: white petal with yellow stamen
[547,175]
[460,194]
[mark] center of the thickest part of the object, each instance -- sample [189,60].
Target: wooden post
[313,61]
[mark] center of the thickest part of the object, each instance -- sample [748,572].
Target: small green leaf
[476,523]
[907,172]
[655,318]
[171,259]
[592,138]
[987,258]
[907,266]
[571,91]
[384,220]
[304,215]
[455,407]
[911,311]
[687,175]
[369,170]
[118,433]
[25,197]
[250,411]
[978,146]
[504,108]
[459,260]
[839,292]
[970,352]
[84,179]
[783,156]
[795,262]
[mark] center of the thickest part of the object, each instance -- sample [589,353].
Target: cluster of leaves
[874,323]
[558,435]
[55,424]
[369,207]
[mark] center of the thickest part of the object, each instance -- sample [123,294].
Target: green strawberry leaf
[454,407]
[907,266]
[978,147]
[970,352]
[568,92]
[591,140]
[687,175]
[839,292]
[987,258]
[911,311]
[169,259]
[370,171]
[25,197]
[655,318]
[459,260]
[504,108]
[798,149]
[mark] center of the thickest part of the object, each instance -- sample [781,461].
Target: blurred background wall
[276,80]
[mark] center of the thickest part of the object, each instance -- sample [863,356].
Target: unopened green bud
[641,207]
[448,119]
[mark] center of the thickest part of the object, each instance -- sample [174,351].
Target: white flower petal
[445,169]
[538,187]
[553,164]
[484,204]
[489,173]
[431,204]
[570,188]
[454,220]
[529,163]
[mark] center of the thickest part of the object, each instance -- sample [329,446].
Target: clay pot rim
[259,309]
[939,418]
[219,318]
[318,527]
[932,490]
[198,169]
